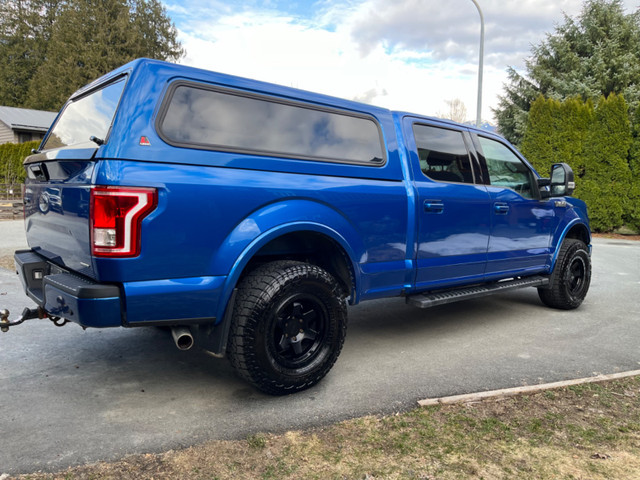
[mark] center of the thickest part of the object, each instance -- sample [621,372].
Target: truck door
[453,208]
[521,223]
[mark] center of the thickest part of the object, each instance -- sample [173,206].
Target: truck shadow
[382,317]
[153,351]
[143,362]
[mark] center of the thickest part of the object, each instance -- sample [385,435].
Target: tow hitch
[27,314]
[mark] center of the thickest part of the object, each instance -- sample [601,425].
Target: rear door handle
[501,208]
[433,206]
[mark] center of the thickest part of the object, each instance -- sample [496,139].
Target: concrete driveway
[12,236]
[71,396]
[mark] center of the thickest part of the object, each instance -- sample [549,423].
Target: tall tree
[25,29]
[62,45]
[593,55]
[156,35]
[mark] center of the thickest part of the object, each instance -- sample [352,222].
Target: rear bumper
[63,294]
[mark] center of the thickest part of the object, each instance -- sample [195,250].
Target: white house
[19,125]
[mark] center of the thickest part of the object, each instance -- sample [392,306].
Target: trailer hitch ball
[27,314]
[4,319]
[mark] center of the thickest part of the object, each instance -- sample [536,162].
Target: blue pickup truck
[244,216]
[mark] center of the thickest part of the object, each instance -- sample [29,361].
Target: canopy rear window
[217,119]
[88,116]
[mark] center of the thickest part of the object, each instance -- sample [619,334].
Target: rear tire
[571,277]
[289,325]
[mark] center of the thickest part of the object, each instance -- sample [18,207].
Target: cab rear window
[443,154]
[88,116]
[209,118]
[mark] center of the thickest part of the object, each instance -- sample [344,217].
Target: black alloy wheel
[299,330]
[288,327]
[571,277]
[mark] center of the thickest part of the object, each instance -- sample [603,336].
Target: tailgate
[56,203]
[58,185]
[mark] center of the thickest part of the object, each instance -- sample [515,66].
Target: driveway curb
[512,392]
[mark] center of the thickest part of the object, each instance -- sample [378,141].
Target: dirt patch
[581,432]
[617,236]
[6,261]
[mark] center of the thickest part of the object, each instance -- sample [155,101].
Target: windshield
[86,117]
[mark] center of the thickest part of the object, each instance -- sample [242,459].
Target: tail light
[116,215]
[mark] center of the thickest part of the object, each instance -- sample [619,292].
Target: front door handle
[501,208]
[433,206]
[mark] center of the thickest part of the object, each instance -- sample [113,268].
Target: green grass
[588,431]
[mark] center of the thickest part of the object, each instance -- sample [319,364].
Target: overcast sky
[401,54]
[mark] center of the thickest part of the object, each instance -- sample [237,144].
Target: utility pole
[480,66]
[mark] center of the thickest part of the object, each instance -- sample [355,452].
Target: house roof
[26,119]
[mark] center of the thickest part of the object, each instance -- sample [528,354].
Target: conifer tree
[632,215]
[25,30]
[556,132]
[592,55]
[605,185]
[595,141]
[50,48]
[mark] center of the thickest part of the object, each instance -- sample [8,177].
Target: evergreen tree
[605,186]
[595,141]
[513,107]
[25,29]
[593,55]
[556,132]
[53,47]
[156,37]
[11,157]
[632,215]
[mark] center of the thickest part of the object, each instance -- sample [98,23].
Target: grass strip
[589,431]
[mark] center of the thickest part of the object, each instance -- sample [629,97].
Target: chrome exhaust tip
[182,337]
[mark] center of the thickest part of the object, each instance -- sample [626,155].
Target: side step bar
[426,300]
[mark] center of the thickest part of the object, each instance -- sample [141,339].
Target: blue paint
[399,230]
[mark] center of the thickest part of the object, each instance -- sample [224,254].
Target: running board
[426,300]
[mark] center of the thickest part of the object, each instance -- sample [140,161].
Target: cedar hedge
[599,143]
[11,157]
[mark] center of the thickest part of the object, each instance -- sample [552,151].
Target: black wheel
[289,324]
[571,277]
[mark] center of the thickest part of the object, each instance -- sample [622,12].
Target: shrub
[11,157]
[597,142]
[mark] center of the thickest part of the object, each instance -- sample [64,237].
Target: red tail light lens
[116,215]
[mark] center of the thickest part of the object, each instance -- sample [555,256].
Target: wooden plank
[511,392]
[10,210]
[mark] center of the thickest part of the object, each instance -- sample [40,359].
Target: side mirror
[562,182]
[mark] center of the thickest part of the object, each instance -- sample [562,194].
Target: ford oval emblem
[43,204]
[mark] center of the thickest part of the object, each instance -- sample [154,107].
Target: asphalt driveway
[71,396]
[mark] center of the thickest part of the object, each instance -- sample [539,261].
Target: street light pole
[480,66]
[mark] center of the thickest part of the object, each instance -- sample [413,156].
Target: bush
[11,157]
[596,141]
[607,157]
[556,132]
[632,212]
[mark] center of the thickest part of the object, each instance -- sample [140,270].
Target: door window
[443,154]
[506,169]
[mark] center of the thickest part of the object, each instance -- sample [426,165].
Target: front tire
[571,277]
[288,328]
